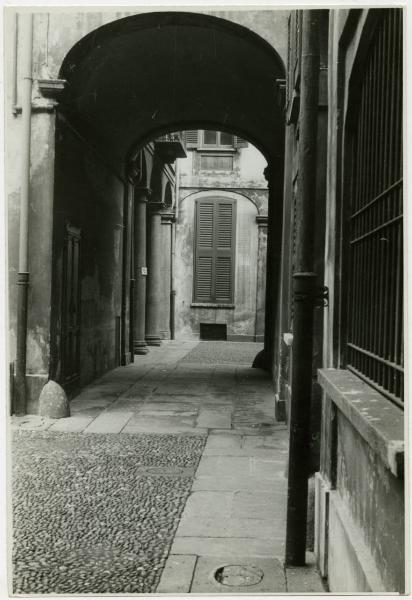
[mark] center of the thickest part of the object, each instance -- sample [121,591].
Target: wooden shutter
[214,250]
[240,142]
[224,251]
[204,251]
[191,139]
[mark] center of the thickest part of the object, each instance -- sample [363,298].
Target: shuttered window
[194,139]
[214,250]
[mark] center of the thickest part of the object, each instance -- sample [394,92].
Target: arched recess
[168,195]
[127,82]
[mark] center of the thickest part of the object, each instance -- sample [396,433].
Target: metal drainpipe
[304,291]
[23,273]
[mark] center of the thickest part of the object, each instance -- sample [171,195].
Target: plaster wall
[248,168]
[89,196]
[240,320]
[57,31]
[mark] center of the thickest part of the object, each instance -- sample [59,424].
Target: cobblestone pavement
[97,513]
[241,353]
[233,520]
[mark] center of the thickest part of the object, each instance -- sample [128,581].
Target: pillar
[267,359]
[141,196]
[262,223]
[164,312]
[154,275]
[38,364]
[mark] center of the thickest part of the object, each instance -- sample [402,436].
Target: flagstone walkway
[231,534]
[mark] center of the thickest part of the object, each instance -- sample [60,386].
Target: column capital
[168,218]
[142,194]
[156,207]
[262,220]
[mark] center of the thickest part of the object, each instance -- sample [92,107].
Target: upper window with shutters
[213,140]
[215,150]
[214,256]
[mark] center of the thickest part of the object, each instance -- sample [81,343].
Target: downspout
[304,292]
[23,272]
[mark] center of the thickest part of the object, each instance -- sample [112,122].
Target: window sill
[376,419]
[223,149]
[211,305]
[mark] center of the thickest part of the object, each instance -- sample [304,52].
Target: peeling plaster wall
[90,197]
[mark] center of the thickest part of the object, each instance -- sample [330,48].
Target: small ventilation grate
[213,331]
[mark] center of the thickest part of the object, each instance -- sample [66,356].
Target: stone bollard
[53,402]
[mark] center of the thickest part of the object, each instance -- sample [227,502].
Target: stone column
[141,196]
[41,363]
[164,323]
[262,223]
[154,276]
[268,358]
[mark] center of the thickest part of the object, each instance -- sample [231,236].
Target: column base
[153,340]
[140,347]
[261,361]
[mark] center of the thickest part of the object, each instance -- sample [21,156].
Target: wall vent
[213,331]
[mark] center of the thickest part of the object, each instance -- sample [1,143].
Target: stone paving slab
[211,419]
[109,422]
[258,505]
[173,425]
[209,504]
[262,575]
[231,547]
[224,465]
[236,483]
[177,575]
[218,526]
[73,424]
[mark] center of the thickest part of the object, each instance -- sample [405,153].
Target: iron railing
[375,299]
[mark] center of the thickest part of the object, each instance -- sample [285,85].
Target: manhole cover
[238,575]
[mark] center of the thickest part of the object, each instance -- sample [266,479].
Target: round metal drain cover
[238,575]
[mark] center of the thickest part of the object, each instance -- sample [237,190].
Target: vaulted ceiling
[156,72]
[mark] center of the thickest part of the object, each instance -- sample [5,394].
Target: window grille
[374,345]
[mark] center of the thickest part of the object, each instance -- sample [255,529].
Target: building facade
[221,231]
[344,105]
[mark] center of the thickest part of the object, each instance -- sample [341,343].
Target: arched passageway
[127,83]
[137,77]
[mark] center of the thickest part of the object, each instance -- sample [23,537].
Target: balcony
[170,146]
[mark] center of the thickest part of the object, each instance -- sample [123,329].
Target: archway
[128,82]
